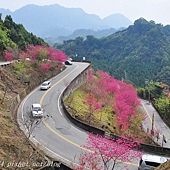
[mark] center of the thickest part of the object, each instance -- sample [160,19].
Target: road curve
[54,133]
[60,138]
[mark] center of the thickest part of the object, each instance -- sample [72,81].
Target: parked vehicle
[36,110]
[45,85]
[149,162]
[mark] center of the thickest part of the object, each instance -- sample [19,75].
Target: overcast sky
[156,10]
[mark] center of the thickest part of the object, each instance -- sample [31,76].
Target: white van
[36,110]
[149,162]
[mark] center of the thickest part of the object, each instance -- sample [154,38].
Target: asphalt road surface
[54,133]
[154,121]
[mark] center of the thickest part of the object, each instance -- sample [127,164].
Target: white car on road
[149,162]
[36,110]
[45,85]
[68,62]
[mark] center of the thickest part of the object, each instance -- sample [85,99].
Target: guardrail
[5,63]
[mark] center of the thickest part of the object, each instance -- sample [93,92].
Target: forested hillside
[140,52]
[14,37]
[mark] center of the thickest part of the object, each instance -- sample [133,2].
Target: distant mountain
[116,20]
[81,33]
[55,20]
[5,12]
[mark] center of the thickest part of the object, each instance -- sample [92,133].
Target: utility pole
[163,140]
[125,75]
[149,95]
[152,130]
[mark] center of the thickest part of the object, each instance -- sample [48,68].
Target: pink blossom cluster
[121,96]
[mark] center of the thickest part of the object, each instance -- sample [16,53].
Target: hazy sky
[156,10]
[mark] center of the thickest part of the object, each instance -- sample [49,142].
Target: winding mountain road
[54,133]
[58,137]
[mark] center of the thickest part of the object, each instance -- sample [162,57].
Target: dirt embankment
[14,146]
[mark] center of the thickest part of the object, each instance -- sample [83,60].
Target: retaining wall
[19,97]
[77,82]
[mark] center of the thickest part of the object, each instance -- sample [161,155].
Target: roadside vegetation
[109,104]
[105,154]
[33,66]
[159,94]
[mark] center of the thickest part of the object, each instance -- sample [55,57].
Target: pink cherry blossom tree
[92,105]
[102,86]
[40,53]
[107,86]
[111,92]
[39,59]
[106,153]
[45,66]
[125,105]
[8,56]
[55,55]
[87,160]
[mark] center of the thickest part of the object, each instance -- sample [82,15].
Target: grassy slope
[103,120]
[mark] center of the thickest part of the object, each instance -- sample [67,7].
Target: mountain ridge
[139,52]
[55,20]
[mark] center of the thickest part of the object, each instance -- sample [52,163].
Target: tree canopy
[15,36]
[142,51]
